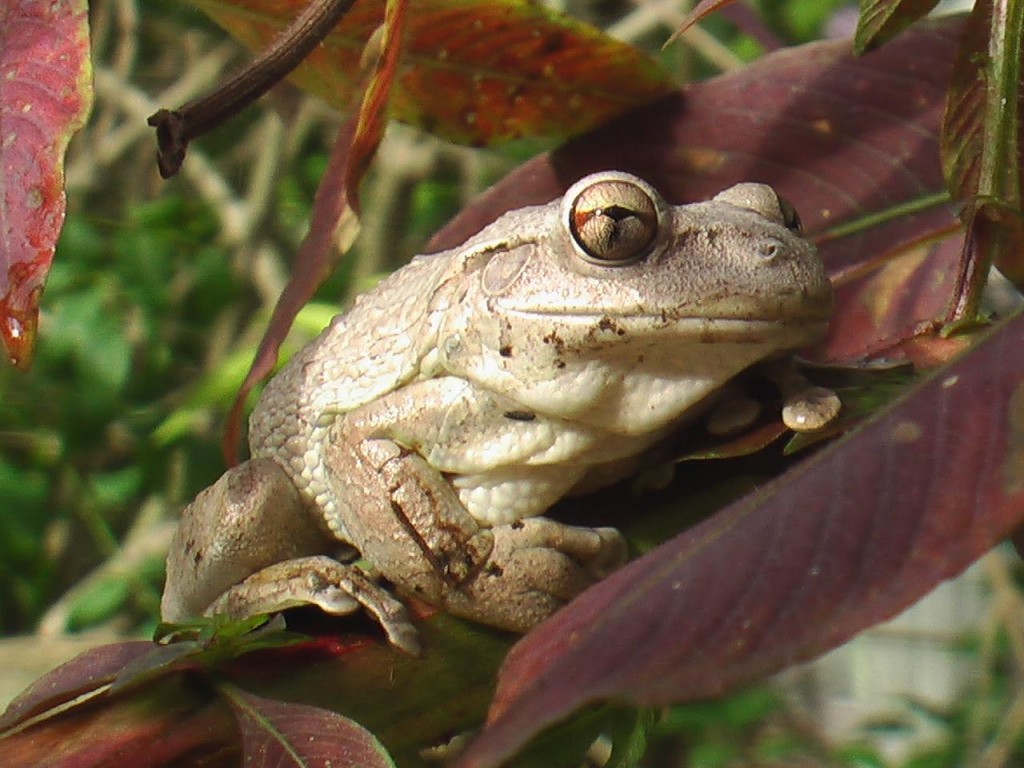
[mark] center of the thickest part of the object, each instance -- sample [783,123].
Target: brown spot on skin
[554,339]
[505,351]
[608,324]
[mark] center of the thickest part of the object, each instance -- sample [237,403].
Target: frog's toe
[599,551]
[335,588]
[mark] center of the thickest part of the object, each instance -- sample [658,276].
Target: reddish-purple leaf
[45,93]
[882,20]
[851,141]
[168,723]
[178,719]
[846,539]
[963,138]
[276,734]
[84,673]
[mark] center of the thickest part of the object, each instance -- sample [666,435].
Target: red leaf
[45,95]
[373,109]
[278,734]
[84,673]
[845,540]
[179,719]
[477,71]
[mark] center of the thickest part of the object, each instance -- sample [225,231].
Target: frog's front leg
[389,465]
[249,544]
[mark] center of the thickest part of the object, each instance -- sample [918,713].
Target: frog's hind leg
[249,544]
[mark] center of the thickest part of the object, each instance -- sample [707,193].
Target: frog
[416,446]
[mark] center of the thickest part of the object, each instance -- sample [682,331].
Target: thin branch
[176,128]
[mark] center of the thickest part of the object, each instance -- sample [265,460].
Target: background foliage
[159,291]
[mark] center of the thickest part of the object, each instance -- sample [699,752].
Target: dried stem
[176,128]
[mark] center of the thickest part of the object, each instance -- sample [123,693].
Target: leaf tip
[18,326]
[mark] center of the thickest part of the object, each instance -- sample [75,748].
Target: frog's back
[370,350]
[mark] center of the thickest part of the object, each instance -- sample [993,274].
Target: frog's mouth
[733,314]
[605,328]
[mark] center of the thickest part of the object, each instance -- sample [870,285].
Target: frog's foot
[535,566]
[810,409]
[805,408]
[335,588]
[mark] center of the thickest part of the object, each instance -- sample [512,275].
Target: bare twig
[176,128]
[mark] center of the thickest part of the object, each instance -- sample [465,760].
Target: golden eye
[613,221]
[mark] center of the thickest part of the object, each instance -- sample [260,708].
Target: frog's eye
[613,221]
[764,200]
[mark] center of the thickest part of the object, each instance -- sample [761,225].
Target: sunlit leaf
[45,94]
[473,71]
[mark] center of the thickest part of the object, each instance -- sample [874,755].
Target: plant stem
[176,128]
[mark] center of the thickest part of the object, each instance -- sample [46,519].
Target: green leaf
[882,20]
[981,144]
